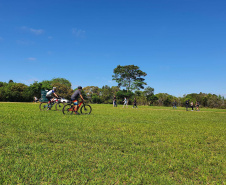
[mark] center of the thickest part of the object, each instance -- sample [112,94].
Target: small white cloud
[31,58]
[78,32]
[36,31]
[32,30]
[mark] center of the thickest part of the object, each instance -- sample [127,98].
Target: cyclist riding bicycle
[75,96]
[49,95]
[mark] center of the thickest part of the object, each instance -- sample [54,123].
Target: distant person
[125,103]
[174,104]
[50,95]
[134,103]
[114,102]
[192,106]
[75,96]
[35,99]
[187,105]
[197,106]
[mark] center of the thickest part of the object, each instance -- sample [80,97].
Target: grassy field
[148,145]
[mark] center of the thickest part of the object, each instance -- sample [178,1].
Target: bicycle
[70,108]
[46,106]
[59,105]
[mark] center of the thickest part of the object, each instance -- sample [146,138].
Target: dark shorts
[49,97]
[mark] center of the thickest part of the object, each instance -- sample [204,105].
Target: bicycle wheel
[68,109]
[43,106]
[59,106]
[86,109]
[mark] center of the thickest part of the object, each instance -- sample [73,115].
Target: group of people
[187,105]
[50,95]
[192,105]
[74,97]
[125,102]
[77,94]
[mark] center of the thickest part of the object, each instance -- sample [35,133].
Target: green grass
[148,145]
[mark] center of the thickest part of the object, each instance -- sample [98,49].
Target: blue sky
[180,44]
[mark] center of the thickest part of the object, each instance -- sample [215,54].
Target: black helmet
[79,87]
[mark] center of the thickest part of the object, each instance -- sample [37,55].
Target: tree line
[129,77]
[19,92]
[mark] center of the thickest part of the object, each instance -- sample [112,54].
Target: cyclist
[49,95]
[75,96]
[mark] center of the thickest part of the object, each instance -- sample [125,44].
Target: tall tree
[35,89]
[123,93]
[129,76]
[115,89]
[106,94]
[63,90]
[148,91]
[89,90]
[61,81]
[46,84]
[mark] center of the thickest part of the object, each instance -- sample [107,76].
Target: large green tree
[92,93]
[49,84]
[46,84]
[61,81]
[63,90]
[35,89]
[148,91]
[129,76]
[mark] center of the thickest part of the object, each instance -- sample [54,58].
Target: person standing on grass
[175,104]
[192,106]
[135,103]
[197,106]
[35,99]
[114,102]
[75,96]
[125,103]
[187,105]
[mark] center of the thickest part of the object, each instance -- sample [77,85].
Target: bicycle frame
[78,105]
[85,109]
[49,105]
[55,100]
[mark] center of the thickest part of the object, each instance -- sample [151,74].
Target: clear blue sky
[180,44]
